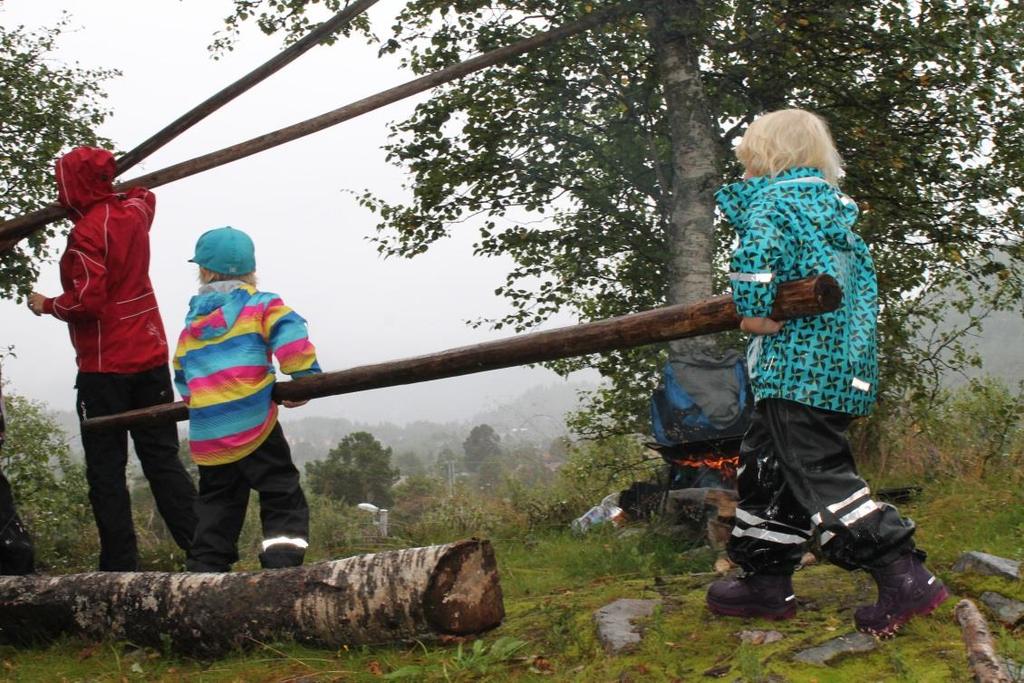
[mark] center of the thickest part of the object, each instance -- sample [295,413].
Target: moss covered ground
[554,582]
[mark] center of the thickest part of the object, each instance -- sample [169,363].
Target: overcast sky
[293,200]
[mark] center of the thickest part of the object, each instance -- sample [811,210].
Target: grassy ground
[554,582]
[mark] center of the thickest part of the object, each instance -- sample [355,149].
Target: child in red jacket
[111,312]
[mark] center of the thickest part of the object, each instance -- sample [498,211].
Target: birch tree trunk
[689,205]
[380,598]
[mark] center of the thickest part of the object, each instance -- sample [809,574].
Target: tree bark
[799,298]
[984,663]
[16,229]
[690,229]
[381,598]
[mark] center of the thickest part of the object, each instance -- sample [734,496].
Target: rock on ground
[1009,612]
[990,565]
[615,628]
[851,643]
[760,637]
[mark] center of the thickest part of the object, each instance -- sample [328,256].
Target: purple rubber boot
[905,589]
[764,596]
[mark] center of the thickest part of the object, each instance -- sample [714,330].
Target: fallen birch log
[984,663]
[799,298]
[380,598]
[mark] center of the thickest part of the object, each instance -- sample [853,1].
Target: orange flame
[725,464]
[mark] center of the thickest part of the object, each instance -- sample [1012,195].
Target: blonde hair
[787,139]
[207,276]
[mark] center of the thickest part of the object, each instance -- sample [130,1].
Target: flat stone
[760,637]
[1008,611]
[615,628]
[990,565]
[851,643]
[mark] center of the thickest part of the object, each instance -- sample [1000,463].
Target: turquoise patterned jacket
[792,226]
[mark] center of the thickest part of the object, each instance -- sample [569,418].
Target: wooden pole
[25,225]
[257,75]
[800,298]
[16,229]
[984,663]
[386,597]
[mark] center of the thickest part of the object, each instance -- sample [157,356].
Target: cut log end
[464,595]
[828,293]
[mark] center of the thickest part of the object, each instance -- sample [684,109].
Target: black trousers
[797,473]
[106,456]
[224,497]
[17,556]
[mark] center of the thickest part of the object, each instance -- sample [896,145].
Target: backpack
[720,384]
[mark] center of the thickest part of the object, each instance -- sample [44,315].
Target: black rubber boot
[281,556]
[764,596]
[905,589]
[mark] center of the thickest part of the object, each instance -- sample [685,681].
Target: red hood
[85,176]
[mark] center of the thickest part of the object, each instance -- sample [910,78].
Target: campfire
[704,464]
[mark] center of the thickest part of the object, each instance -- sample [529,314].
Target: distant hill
[999,346]
[535,418]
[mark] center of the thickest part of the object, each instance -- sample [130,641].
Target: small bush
[967,433]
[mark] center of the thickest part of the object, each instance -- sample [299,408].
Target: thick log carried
[380,598]
[796,299]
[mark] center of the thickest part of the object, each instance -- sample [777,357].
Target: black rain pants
[796,474]
[17,556]
[223,499]
[106,457]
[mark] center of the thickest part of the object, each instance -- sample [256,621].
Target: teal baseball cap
[226,251]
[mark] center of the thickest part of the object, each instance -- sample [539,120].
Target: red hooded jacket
[108,300]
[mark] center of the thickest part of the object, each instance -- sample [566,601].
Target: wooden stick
[800,298]
[984,663]
[23,226]
[16,229]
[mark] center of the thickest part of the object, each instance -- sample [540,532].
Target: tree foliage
[483,445]
[357,470]
[50,489]
[46,107]
[561,159]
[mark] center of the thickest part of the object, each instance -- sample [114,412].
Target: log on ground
[385,597]
[984,663]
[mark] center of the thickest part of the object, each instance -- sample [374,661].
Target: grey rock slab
[1008,611]
[990,565]
[760,637]
[851,643]
[615,627]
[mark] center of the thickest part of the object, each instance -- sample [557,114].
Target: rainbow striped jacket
[224,371]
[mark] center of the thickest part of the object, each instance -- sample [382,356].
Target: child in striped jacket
[224,372]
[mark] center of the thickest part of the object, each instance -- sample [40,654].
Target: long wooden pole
[800,298]
[16,229]
[257,75]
